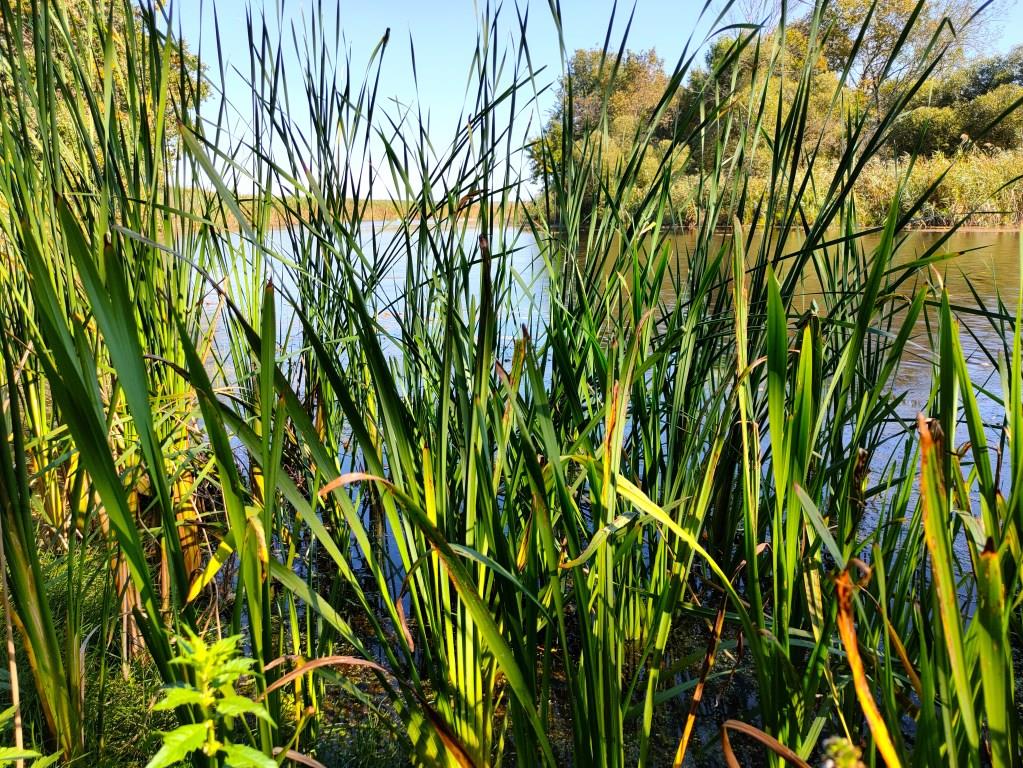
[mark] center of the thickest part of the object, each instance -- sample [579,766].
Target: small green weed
[216,668]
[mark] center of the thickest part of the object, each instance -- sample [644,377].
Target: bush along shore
[509,480]
[975,188]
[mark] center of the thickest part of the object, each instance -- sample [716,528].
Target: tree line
[965,105]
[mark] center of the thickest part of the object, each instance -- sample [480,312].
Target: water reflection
[984,270]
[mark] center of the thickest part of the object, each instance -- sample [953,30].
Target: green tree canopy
[84,25]
[919,32]
[1001,104]
[975,78]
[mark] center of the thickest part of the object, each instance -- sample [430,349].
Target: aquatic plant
[488,469]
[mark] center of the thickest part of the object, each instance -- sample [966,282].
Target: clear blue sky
[444,32]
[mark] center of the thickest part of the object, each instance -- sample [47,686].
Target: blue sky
[443,33]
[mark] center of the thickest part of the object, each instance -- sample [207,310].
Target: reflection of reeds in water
[516,467]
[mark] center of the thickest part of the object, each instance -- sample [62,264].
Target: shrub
[972,185]
[927,130]
[976,117]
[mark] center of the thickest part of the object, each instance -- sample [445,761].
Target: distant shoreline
[971,228]
[388,212]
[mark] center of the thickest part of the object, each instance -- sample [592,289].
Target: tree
[90,25]
[609,96]
[957,24]
[753,65]
[964,102]
[927,130]
[613,102]
[978,115]
[975,78]
[631,86]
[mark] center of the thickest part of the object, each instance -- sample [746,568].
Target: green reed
[492,502]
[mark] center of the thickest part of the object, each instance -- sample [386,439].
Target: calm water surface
[986,262]
[985,266]
[984,269]
[989,261]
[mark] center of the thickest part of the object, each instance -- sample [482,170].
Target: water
[987,259]
[987,262]
[990,263]
[984,269]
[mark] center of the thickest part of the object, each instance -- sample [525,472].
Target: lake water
[986,262]
[989,264]
[986,267]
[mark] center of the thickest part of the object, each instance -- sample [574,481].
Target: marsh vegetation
[519,476]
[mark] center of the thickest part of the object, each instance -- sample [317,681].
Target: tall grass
[491,475]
